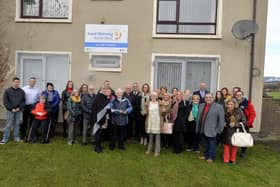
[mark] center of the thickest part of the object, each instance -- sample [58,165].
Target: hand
[17,109]
[39,113]
[232,125]
[14,110]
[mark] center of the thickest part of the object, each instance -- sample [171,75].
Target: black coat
[14,98]
[87,104]
[180,121]
[64,99]
[131,99]
[228,131]
[99,104]
[137,102]
[201,99]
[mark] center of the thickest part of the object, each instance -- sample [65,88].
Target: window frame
[106,69]
[217,24]
[21,18]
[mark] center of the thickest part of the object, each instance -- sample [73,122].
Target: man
[235,90]
[201,92]
[86,104]
[99,112]
[211,119]
[129,95]
[137,109]
[14,101]
[32,95]
[249,110]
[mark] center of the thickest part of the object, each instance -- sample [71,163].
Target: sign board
[106,38]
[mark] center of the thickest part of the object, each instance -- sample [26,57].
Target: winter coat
[74,108]
[228,130]
[248,108]
[40,107]
[14,98]
[116,106]
[153,119]
[86,104]
[180,121]
[55,100]
[64,98]
[100,102]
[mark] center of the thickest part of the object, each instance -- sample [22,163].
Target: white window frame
[119,69]
[47,20]
[215,66]
[42,53]
[218,34]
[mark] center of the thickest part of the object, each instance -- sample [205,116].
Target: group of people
[132,113]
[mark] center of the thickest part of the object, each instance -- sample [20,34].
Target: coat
[64,98]
[86,104]
[153,120]
[201,99]
[14,98]
[55,102]
[99,104]
[74,108]
[228,131]
[120,105]
[214,121]
[180,121]
[249,111]
[43,108]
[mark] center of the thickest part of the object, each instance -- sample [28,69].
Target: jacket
[64,98]
[201,99]
[116,106]
[214,120]
[86,104]
[14,98]
[180,121]
[249,111]
[74,108]
[40,107]
[55,100]
[228,130]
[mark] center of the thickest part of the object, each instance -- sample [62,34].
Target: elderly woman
[234,116]
[120,108]
[153,124]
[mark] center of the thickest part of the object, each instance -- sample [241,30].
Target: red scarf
[69,90]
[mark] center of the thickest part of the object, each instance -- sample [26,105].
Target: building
[172,42]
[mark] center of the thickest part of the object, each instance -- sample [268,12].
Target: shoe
[209,161]
[242,155]
[70,143]
[84,143]
[18,140]
[232,162]
[201,157]
[3,143]
[142,141]
[226,163]
[98,150]
[122,148]
[156,154]
[196,151]
[145,141]
[188,149]
[148,152]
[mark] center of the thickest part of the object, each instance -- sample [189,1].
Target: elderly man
[129,95]
[210,123]
[201,92]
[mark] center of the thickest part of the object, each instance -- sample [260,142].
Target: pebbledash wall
[233,56]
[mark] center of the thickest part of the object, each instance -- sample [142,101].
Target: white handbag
[242,139]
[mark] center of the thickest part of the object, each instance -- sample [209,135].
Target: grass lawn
[275,95]
[58,164]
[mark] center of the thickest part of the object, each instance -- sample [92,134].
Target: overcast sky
[272,60]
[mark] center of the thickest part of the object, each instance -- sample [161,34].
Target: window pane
[55,8]
[199,29]
[30,8]
[167,11]
[197,11]
[166,28]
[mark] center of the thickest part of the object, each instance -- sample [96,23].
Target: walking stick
[49,127]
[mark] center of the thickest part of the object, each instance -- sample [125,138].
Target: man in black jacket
[14,101]
[129,95]
[86,104]
[201,92]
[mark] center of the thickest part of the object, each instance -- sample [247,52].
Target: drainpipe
[252,51]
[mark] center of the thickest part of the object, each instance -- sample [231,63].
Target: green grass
[275,95]
[58,164]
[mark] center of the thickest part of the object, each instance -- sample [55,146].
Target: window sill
[105,69]
[186,36]
[32,20]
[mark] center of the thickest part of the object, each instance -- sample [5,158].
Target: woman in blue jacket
[120,108]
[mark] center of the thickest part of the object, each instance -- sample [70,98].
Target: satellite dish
[243,29]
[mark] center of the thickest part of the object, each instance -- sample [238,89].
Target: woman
[83,91]
[165,109]
[219,98]
[226,93]
[40,112]
[65,97]
[234,116]
[153,125]
[52,99]
[173,95]
[120,108]
[74,108]
[145,98]
[192,114]
[163,90]
[179,115]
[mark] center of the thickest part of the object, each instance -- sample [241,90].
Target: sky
[272,58]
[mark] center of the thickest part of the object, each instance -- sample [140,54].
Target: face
[70,85]
[135,87]
[163,90]
[202,86]
[239,96]
[209,99]
[90,89]
[84,88]
[224,91]
[145,88]
[154,97]
[76,94]
[16,83]
[128,89]
[230,106]
[166,97]
[32,82]
[179,96]
[219,95]
[187,93]
[195,100]
[50,88]
[174,92]
[107,84]
[42,99]
[119,93]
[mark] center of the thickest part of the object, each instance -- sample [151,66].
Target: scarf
[174,111]
[76,99]
[69,90]
[195,111]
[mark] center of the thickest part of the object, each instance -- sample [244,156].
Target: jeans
[210,144]
[151,143]
[13,119]
[86,124]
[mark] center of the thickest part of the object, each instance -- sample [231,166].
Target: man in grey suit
[211,119]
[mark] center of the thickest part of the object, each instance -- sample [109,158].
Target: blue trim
[109,45]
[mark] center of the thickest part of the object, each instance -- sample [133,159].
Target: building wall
[136,65]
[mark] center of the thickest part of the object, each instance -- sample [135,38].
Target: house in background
[178,43]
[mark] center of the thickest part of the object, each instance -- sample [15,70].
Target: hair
[154,93]
[195,96]
[68,84]
[240,92]
[50,84]
[209,94]
[237,88]
[174,88]
[15,78]
[42,96]
[163,87]
[81,88]
[146,84]
[225,88]
[233,101]
[74,91]
[32,78]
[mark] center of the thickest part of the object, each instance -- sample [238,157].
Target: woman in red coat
[40,112]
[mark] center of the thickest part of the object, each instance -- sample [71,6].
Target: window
[196,17]
[46,67]
[185,72]
[105,62]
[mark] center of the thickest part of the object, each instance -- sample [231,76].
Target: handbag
[242,139]
[167,127]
